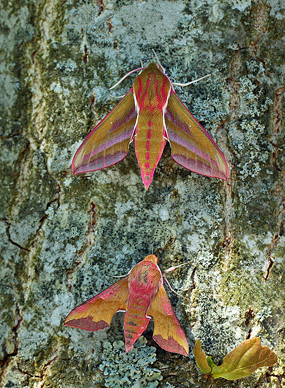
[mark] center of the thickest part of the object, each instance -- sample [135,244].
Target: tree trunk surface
[64,237]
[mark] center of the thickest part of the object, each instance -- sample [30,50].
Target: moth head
[151,258]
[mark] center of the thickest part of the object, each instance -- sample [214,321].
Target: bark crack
[42,221]
[42,375]
[260,21]
[4,364]
[101,6]
[8,223]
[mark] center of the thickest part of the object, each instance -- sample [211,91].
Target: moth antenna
[181,296]
[177,266]
[156,57]
[191,82]
[120,97]
[125,76]
[119,276]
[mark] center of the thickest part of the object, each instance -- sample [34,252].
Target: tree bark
[63,237]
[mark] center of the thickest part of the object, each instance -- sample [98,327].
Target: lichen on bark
[63,237]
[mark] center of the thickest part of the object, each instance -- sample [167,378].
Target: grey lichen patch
[119,222]
[165,22]
[133,369]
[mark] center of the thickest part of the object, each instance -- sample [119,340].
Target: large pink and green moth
[149,114]
[141,295]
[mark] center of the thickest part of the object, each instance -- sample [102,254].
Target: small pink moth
[151,113]
[141,295]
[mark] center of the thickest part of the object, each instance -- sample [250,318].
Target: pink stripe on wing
[177,139]
[102,162]
[123,136]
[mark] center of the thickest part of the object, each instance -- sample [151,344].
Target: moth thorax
[151,89]
[145,278]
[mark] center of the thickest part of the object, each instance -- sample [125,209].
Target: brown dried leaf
[244,360]
[200,357]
